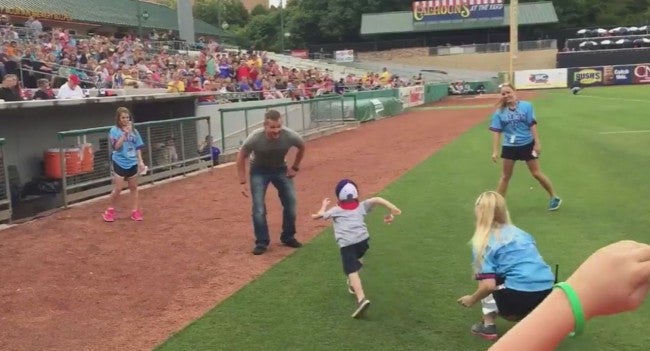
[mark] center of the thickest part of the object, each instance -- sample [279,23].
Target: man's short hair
[272,115]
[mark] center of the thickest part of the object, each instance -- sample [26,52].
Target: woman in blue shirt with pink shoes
[127,162]
[515,120]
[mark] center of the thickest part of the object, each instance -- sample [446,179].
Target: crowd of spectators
[34,60]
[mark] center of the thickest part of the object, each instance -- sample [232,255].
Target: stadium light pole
[281,27]
[514,39]
[141,16]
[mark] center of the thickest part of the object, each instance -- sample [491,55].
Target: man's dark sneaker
[258,250]
[485,331]
[292,243]
[361,306]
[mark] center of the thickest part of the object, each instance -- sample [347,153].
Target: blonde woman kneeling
[512,275]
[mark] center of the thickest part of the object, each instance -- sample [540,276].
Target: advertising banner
[412,96]
[301,53]
[541,79]
[641,74]
[605,75]
[344,55]
[454,11]
[586,76]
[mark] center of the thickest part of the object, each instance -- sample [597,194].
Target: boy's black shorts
[350,256]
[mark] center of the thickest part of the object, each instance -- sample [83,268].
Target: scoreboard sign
[451,11]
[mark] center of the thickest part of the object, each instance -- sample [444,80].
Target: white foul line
[627,132]
[612,98]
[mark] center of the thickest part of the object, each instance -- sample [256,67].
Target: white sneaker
[362,306]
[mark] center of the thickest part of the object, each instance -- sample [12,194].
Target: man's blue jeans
[260,179]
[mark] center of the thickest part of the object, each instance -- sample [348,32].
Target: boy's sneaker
[136,215]
[109,215]
[488,332]
[361,306]
[554,204]
[350,289]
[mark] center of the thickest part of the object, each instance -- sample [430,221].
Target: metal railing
[5,194]
[543,44]
[305,116]
[83,159]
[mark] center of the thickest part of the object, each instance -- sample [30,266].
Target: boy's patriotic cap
[346,190]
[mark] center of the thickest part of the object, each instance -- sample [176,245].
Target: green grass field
[420,265]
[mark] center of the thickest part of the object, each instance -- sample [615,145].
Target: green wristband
[576,307]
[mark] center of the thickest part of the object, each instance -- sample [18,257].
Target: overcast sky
[276,2]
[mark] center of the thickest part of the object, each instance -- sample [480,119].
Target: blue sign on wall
[623,75]
[450,11]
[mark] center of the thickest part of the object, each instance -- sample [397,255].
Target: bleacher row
[609,39]
[128,63]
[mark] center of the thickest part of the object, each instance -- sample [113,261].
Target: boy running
[351,233]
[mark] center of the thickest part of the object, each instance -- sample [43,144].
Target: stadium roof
[402,22]
[106,12]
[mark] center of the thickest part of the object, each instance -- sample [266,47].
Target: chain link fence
[5,195]
[171,147]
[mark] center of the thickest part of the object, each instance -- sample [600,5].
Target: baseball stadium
[220,175]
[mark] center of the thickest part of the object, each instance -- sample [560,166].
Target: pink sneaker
[136,215]
[109,215]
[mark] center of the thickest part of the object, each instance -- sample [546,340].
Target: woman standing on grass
[126,161]
[512,275]
[515,119]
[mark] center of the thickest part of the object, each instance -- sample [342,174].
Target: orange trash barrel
[52,162]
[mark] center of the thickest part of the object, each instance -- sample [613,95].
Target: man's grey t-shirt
[349,225]
[270,153]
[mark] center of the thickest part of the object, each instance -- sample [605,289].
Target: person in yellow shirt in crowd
[385,76]
[176,85]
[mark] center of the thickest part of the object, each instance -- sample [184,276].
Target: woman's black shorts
[518,153]
[514,303]
[125,173]
[350,256]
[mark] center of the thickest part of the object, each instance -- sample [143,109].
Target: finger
[638,296]
[641,252]
[641,273]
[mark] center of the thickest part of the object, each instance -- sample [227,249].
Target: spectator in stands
[457,88]
[176,85]
[339,87]
[35,27]
[9,90]
[44,91]
[71,89]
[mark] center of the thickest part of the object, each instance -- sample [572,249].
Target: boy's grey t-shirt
[349,225]
[270,153]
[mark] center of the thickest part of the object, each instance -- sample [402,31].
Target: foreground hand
[466,301]
[537,149]
[326,202]
[494,157]
[614,279]
[141,167]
